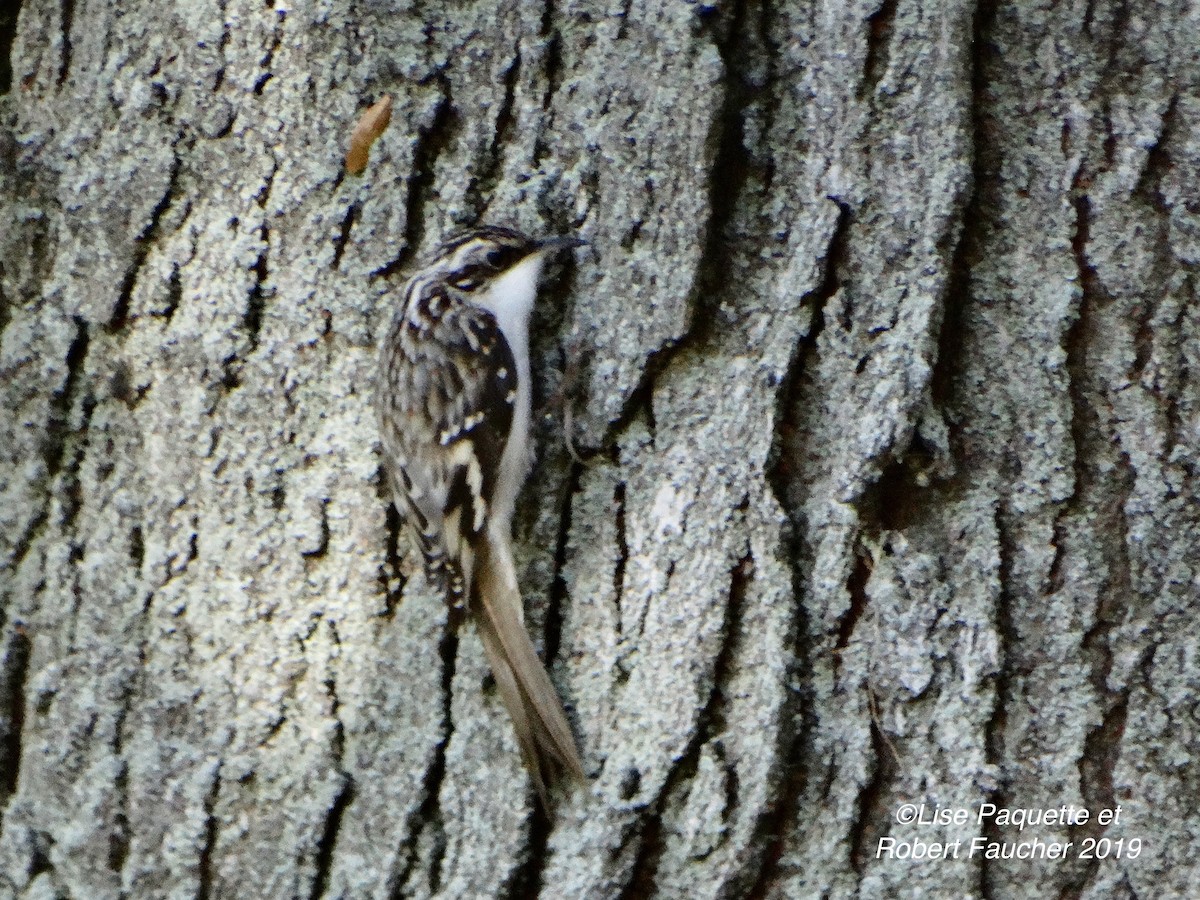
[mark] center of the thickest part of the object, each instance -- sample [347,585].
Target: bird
[453,401]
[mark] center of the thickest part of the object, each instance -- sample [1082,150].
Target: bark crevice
[880,25]
[68,22]
[142,245]
[996,748]
[429,814]
[477,196]
[343,236]
[391,577]
[204,862]
[329,836]
[557,594]
[433,139]
[649,839]
[12,700]
[871,818]
[8,33]
[730,169]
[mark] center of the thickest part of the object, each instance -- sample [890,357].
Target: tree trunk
[881,364]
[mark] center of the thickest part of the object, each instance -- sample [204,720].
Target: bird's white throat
[510,296]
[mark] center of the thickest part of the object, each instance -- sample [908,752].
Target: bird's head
[495,267]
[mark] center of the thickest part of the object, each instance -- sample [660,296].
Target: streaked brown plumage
[453,404]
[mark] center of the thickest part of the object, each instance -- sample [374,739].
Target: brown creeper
[453,401]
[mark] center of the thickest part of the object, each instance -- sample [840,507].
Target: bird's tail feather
[543,733]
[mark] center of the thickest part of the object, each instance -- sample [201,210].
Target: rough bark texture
[883,358]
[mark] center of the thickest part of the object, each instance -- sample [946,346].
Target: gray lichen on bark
[881,360]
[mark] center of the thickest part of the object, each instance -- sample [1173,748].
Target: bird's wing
[447,388]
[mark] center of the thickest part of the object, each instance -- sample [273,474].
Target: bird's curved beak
[555,244]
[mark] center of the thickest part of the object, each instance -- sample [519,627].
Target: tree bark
[881,363]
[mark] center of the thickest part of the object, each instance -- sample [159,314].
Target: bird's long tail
[543,734]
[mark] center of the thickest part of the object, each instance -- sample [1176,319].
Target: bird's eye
[495,257]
